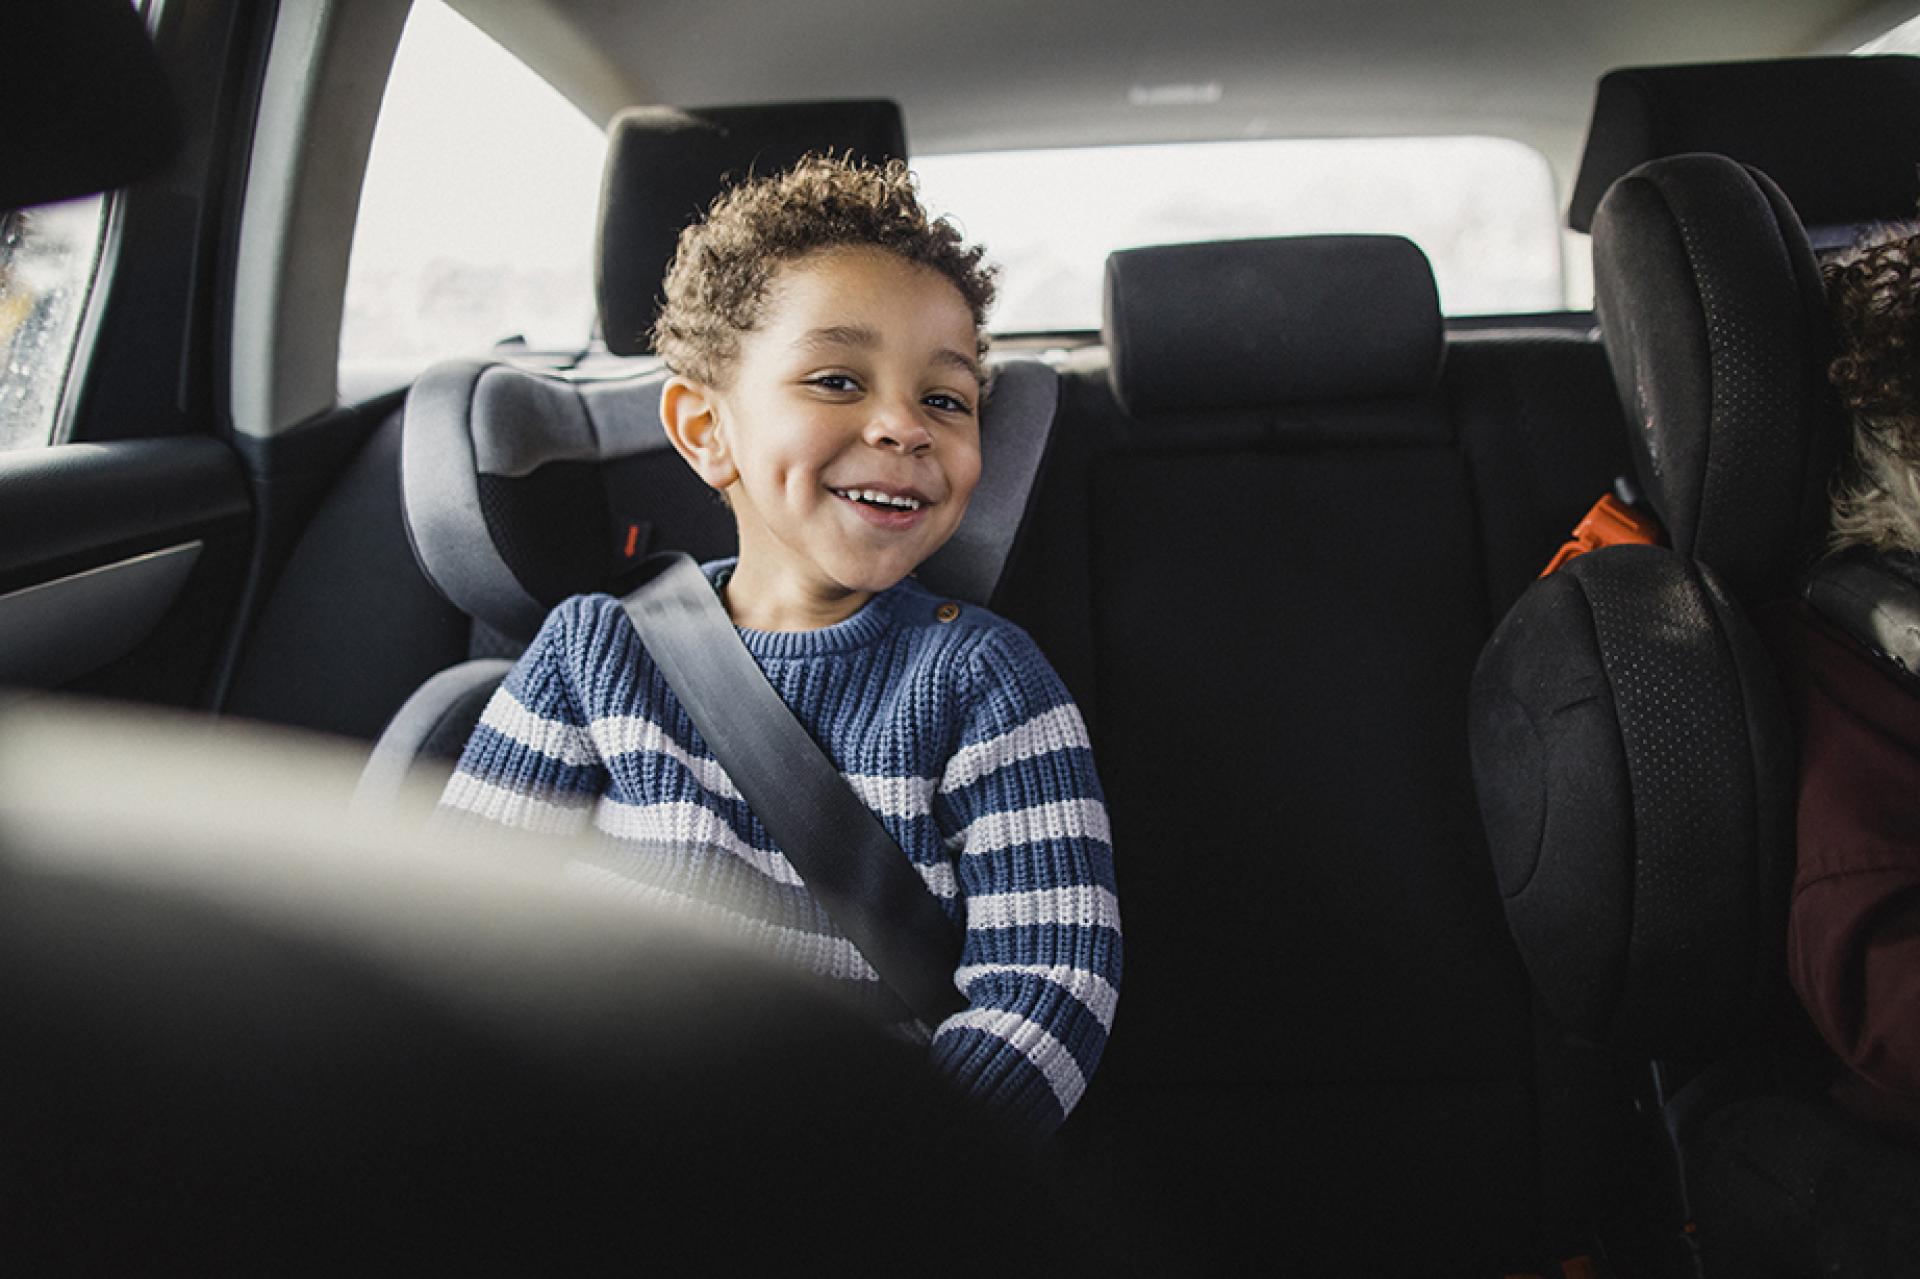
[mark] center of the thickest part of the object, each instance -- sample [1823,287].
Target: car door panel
[119,565]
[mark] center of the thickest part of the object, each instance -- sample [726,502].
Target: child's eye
[834,382]
[947,403]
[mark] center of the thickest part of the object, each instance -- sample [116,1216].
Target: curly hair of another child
[1874,297]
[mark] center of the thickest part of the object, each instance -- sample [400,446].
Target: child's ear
[690,412]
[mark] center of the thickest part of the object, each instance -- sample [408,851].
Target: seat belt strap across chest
[853,867]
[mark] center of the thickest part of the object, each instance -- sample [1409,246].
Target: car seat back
[1635,773]
[1259,568]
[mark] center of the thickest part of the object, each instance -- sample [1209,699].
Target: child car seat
[1630,749]
[523,487]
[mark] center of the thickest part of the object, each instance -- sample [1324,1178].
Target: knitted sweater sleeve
[530,763]
[1040,966]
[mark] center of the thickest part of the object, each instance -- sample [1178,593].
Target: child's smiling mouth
[883,508]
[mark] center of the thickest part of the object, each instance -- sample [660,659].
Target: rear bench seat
[1280,519]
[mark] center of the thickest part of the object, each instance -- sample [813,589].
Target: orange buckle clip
[1611,522]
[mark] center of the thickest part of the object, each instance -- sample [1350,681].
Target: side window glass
[47,260]
[477,213]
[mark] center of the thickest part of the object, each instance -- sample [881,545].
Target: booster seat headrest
[1250,324]
[1839,135]
[1714,320]
[521,488]
[665,165]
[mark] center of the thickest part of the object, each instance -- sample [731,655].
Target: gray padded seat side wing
[470,424]
[433,724]
[1016,425]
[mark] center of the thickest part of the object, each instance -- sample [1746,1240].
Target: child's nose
[898,426]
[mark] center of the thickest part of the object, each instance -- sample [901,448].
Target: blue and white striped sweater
[957,734]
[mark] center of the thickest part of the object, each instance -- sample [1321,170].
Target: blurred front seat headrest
[84,102]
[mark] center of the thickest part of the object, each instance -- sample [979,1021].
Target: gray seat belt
[853,867]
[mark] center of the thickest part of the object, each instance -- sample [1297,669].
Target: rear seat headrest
[522,488]
[1714,321]
[1839,135]
[665,166]
[1247,324]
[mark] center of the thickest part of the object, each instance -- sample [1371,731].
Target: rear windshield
[1483,209]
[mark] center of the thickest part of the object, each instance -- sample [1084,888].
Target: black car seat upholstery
[1262,562]
[1836,134]
[1630,748]
[1711,310]
[665,165]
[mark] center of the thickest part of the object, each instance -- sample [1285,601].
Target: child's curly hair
[716,288]
[1874,295]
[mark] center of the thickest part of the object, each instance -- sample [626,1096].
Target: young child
[1853,943]
[825,339]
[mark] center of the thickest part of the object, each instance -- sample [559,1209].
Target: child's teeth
[869,495]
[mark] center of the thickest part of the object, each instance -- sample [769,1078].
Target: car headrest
[1839,135]
[665,165]
[522,488]
[1714,321]
[1635,773]
[85,102]
[1248,324]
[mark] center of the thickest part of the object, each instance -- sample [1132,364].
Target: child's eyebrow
[858,336]
[965,363]
[862,338]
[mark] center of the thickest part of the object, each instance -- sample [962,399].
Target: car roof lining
[1061,74]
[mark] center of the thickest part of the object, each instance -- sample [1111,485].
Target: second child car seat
[1631,751]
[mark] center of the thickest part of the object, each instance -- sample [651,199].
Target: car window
[477,212]
[47,260]
[1904,38]
[1483,209]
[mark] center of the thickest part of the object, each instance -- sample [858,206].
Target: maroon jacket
[1853,938]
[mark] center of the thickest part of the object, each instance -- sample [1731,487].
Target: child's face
[860,379]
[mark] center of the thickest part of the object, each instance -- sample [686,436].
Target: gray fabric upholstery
[1016,425]
[1246,324]
[468,423]
[517,486]
[431,724]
